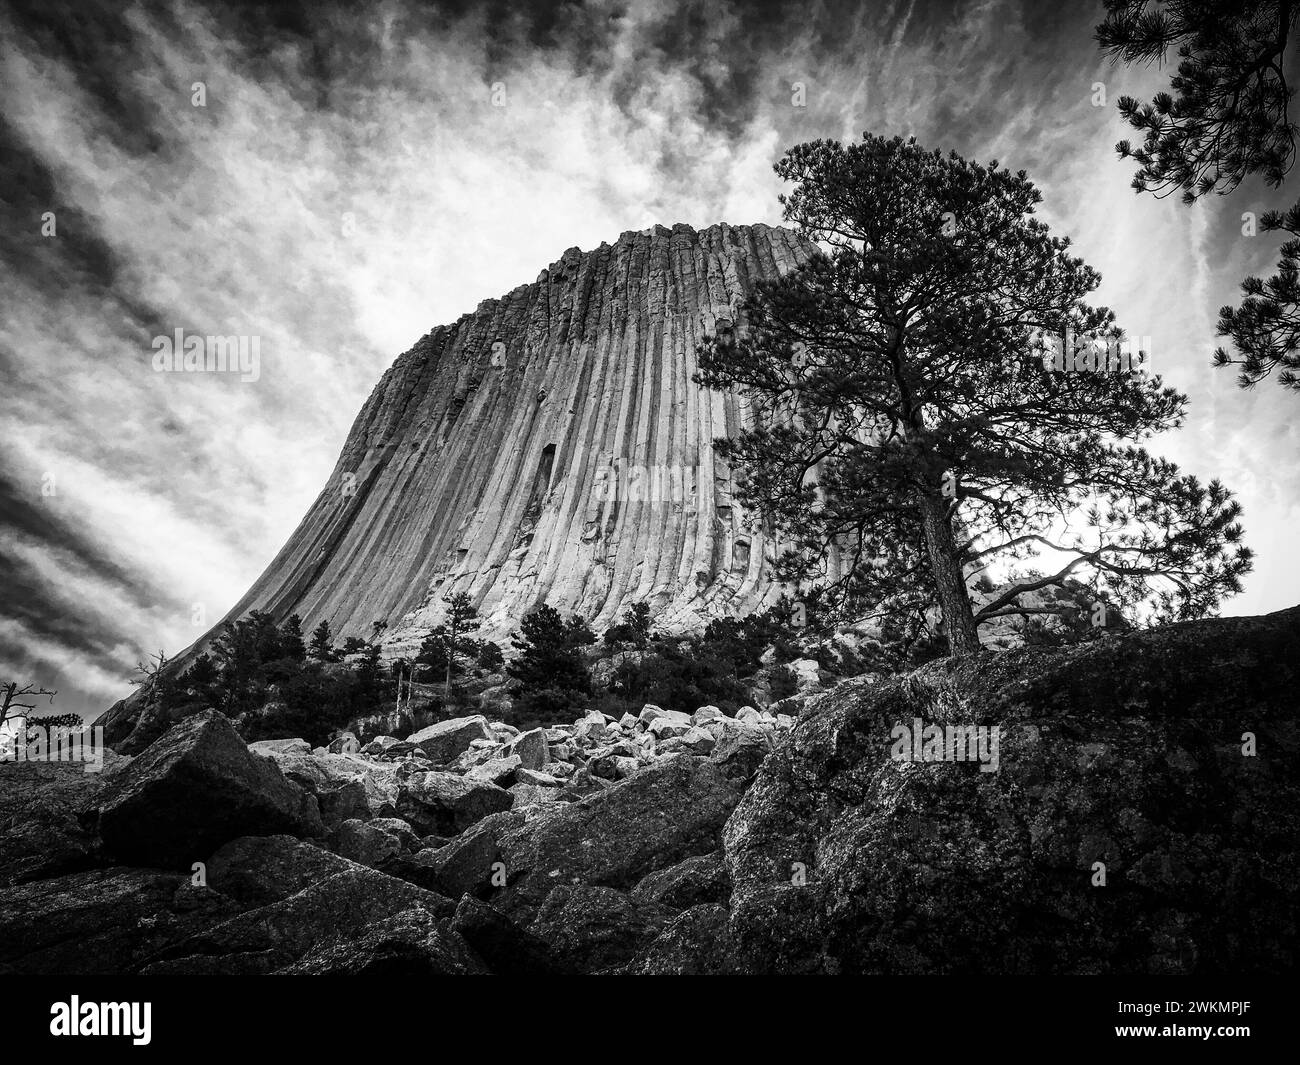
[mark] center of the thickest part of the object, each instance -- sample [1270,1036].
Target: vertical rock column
[549,447]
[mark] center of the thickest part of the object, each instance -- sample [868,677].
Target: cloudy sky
[355,178]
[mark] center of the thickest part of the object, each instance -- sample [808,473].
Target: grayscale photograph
[667,488]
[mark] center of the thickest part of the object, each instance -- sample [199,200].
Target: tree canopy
[1227,116]
[906,431]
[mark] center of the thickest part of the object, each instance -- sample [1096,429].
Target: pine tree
[908,423]
[1227,117]
[291,643]
[201,674]
[321,647]
[462,619]
[548,668]
[490,658]
[633,627]
[433,653]
[370,676]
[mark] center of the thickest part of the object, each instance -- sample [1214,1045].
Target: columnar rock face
[552,448]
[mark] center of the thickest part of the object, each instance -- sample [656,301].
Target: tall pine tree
[462,619]
[548,669]
[909,432]
[321,647]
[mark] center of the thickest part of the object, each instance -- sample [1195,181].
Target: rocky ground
[668,843]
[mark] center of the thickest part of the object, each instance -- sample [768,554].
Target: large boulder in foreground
[343,905]
[410,943]
[697,942]
[259,870]
[596,929]
[507,949]
[192,790]
[46,818]
[102,922]
[667,812]
[1125,753]
[697,880]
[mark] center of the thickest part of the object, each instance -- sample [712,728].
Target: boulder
[412,943]
[1126,751]
[404,833]
[196,787]
[582,784]
[698,740]
[604,766]
[365,842]
[417,869]
[591,929]
[476,756]
[670,723]
[295,746]
[341,906]
[47,811]
[591,729]
[393,752]
[258,870]
[536,776]
[102,921]
[707,713]
[345,785]
[507,949]
[700,879]
[499,771]
[470,863]
[648,713]
[444,740]
[446,804]
[379,745]
[345,743]
[531,748]
[654,819]
[531,794]
[697,942]
[740,751]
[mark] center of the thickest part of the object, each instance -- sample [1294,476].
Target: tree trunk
[958,618]
[451,657]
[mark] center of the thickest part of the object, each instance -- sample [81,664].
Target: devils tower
[551,447]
